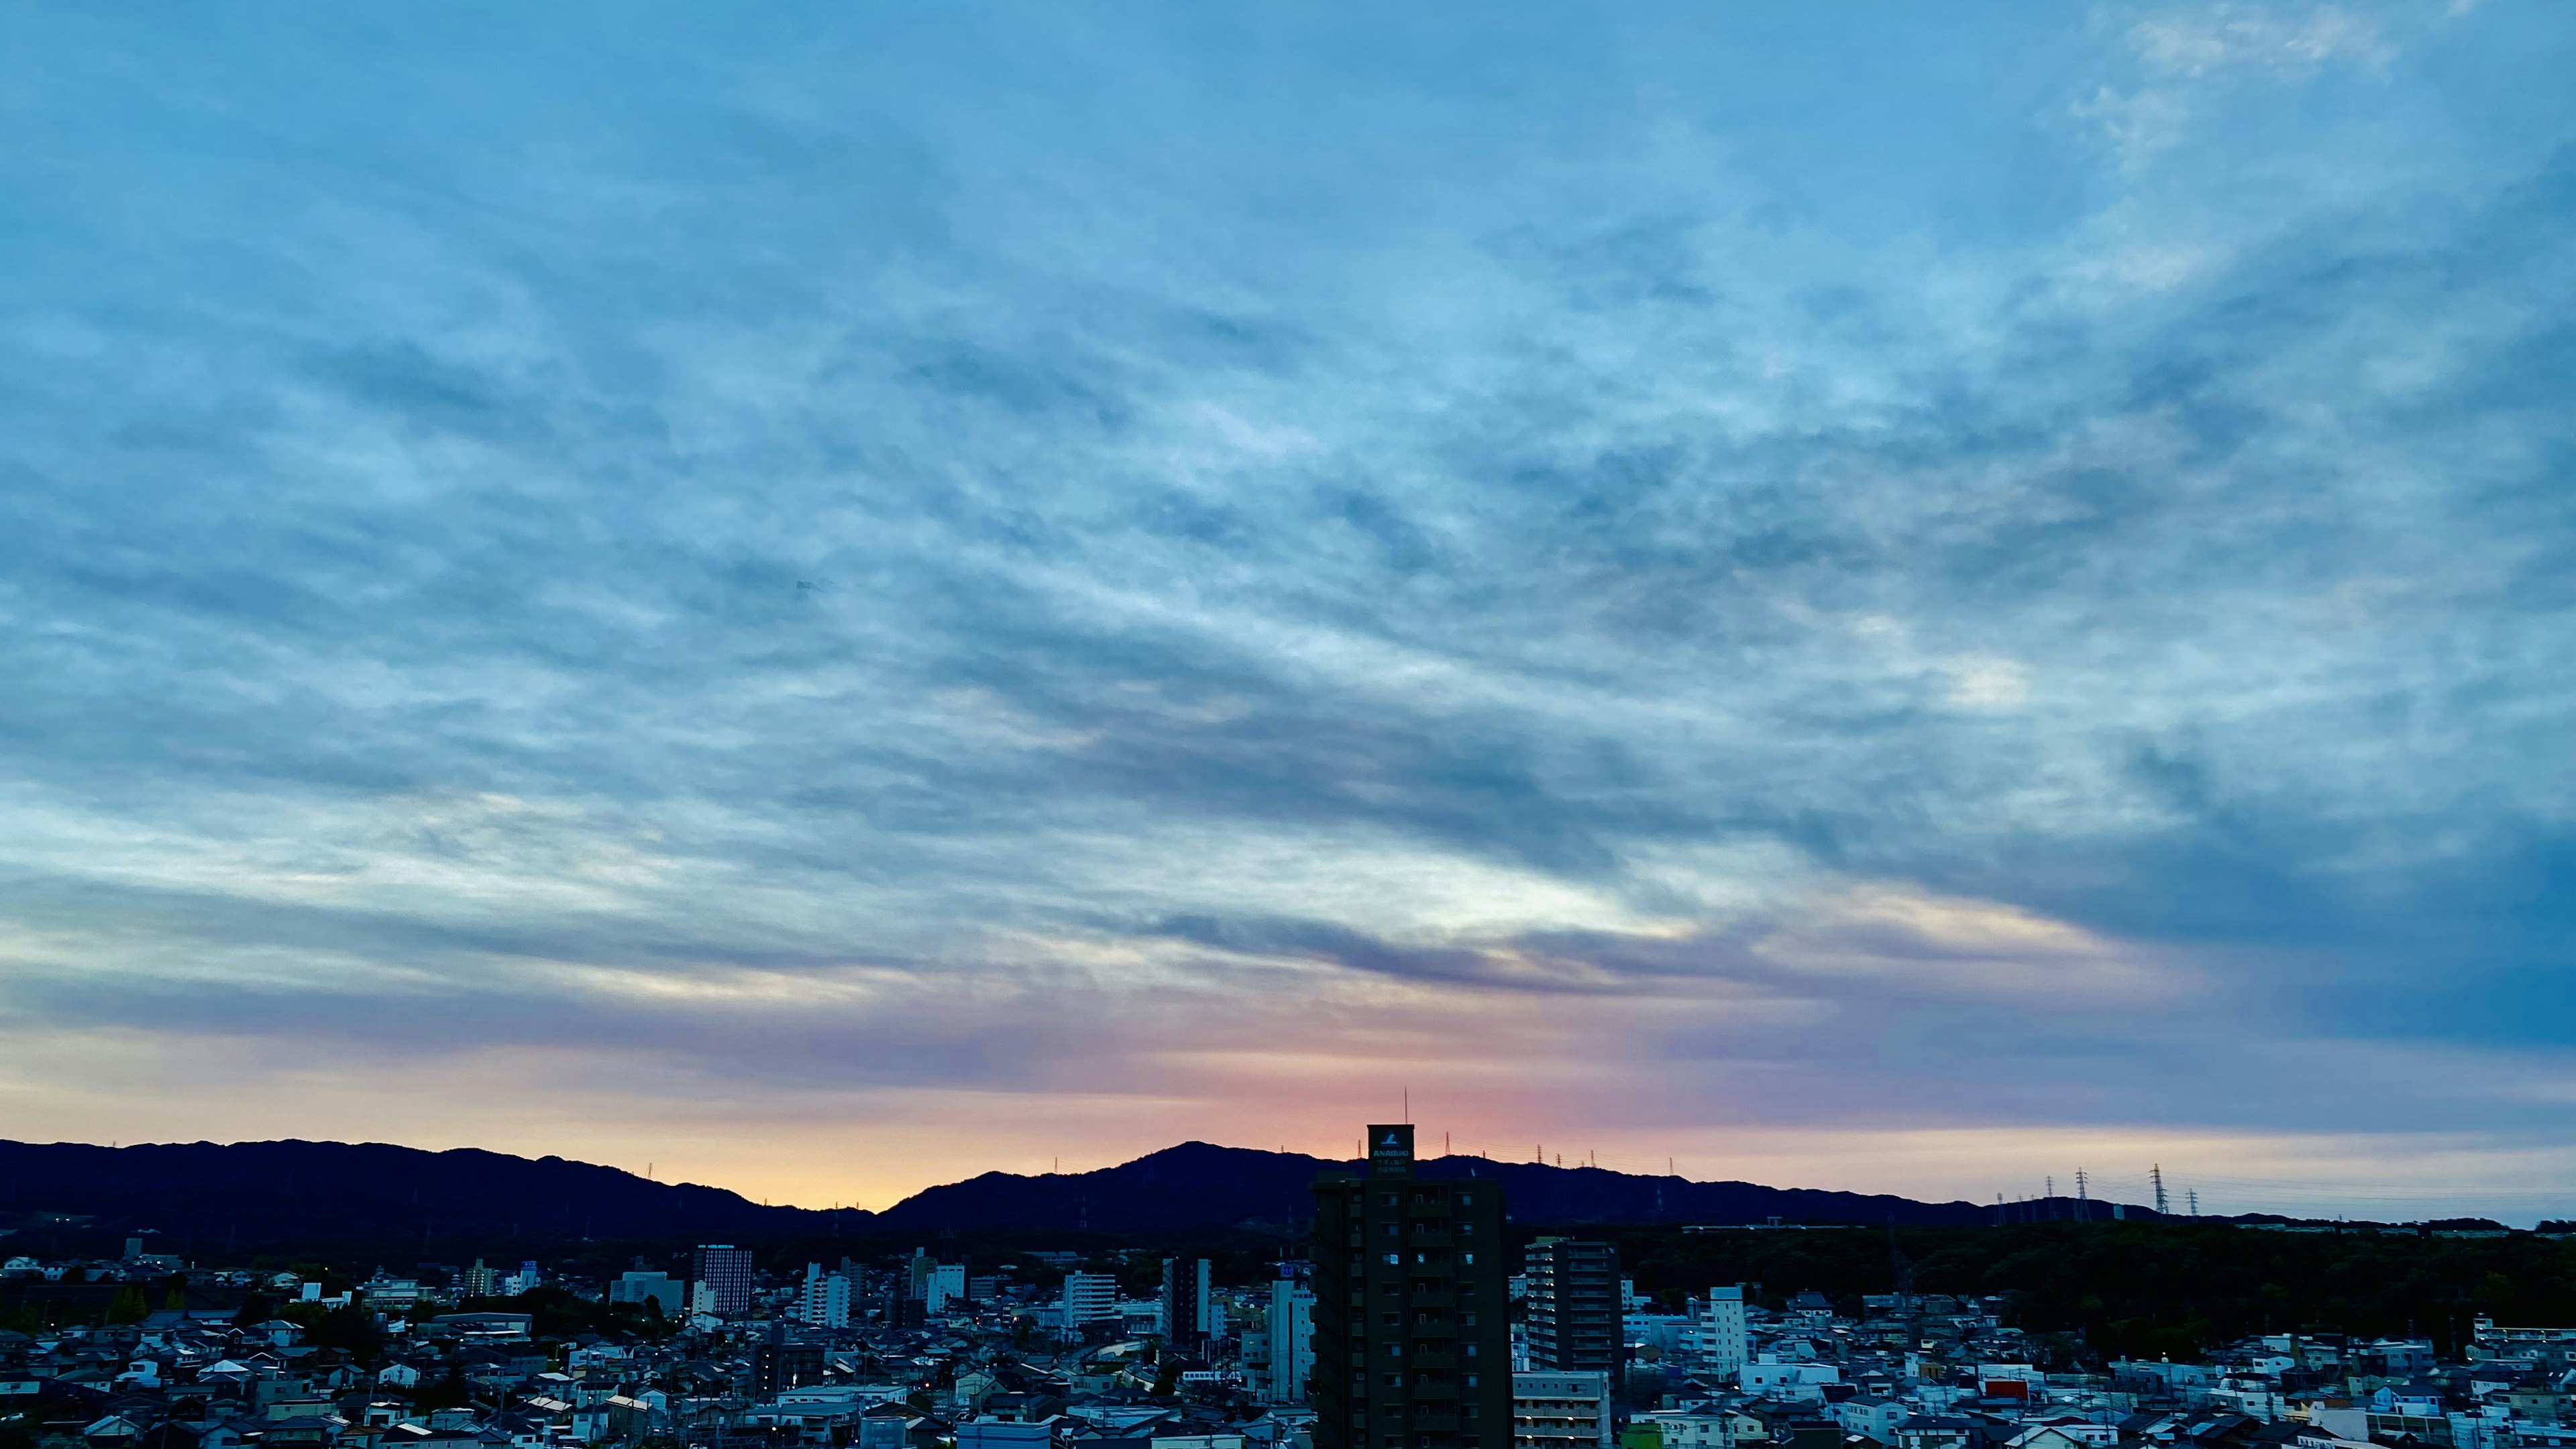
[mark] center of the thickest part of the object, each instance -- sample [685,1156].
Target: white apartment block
[823,1300]
[1722,1338]
[1291,1342]
[1089,1298]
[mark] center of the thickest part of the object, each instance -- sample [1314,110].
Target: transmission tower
[2156,1176]
[2193,1197]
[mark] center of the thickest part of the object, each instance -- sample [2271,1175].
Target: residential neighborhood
[1063,1350]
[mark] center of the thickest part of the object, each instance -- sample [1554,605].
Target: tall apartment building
[823,1300]
[1553,1410]
[1412,1334]
[725,1270]
[1089,1298]
[1721,1331]
[1290,1342]
[1575,1324]
[1185,1303]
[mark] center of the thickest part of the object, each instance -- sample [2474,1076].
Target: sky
[825,598]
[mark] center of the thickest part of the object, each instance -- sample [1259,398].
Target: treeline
[2143,1289]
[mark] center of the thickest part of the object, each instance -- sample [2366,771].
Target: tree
[128,1306]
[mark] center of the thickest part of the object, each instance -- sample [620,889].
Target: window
[1390,1230]
[1395,1381]
[1395,1260]
[1471,1381]
[1471,1350]
[1466,1257]
[1467,1319]
[1395,1350]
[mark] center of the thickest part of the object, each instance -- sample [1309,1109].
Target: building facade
[725,1270]
[1185,1302]
[1573,1307]
[1412,1334]
[658,1288]
[1291,1342]
[1089,1298]
[1722,1332]
[823,1300]
[944,1284]
[1553,1410]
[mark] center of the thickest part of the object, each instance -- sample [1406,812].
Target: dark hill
[245,1198]
[1199,1185]
[278,1197]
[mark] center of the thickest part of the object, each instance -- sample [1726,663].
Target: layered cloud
[862,600]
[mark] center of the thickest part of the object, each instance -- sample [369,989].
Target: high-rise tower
[1574,1315]
[1185,1303]
[1412,1332]
[725,1272]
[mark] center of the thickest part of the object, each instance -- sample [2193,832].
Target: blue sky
[1911,598]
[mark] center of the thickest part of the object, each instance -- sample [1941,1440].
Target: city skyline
[830,600]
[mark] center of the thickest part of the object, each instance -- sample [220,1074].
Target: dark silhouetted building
[1412,1325]
[779,1365]
[1573,1306]
[1185,1303]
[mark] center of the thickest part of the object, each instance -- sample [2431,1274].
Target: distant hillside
[1199,1185]
[278,1197]
[208,1199]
